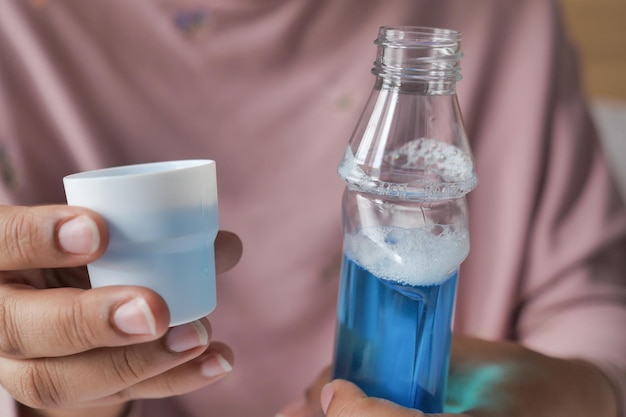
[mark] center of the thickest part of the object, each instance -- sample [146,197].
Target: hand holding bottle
[487,379]
[65,348]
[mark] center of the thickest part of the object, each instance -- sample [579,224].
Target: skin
[487,379]
[62,352]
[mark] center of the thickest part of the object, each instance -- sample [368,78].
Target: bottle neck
[423,61]
[410,142]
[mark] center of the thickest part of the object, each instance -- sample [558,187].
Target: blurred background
[598,27]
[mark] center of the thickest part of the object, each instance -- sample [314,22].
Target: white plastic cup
[162,219]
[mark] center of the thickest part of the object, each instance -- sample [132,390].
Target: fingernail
[295,407]
[187,336]
[135,317]
[215,366]
[79,236]
[326,396]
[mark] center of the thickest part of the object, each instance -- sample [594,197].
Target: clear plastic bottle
[408,167]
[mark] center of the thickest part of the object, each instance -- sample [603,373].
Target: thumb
[49,236]
[341,398]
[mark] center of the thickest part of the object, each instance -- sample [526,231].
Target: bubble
[394,236]
[434,156]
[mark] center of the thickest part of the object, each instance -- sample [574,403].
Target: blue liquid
[393,340]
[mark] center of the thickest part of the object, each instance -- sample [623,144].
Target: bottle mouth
[418,36]
[418,53]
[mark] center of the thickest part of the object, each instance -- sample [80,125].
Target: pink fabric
[271,90]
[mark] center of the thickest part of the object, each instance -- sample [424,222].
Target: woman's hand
[487,379]
[65,349]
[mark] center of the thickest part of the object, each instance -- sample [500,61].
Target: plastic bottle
[407,167]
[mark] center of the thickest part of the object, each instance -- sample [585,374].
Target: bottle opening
[419,54]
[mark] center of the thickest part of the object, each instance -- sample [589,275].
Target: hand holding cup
[68,350]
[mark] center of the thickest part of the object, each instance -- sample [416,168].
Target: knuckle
[10,342]
[38,387]
[18,239]
[127,366]
[75,326]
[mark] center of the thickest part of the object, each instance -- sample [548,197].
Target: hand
[487,379]
[69,351]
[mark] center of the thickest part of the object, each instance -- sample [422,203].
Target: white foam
[441,171]
[442,159]
[422,256]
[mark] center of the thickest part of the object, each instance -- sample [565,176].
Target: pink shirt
[271,90]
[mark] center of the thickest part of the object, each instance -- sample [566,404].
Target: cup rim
[139,170]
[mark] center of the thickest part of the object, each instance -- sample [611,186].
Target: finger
[99,373]
[228,250]
[65,321]
[49,236]
[214,364]
[341,398]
